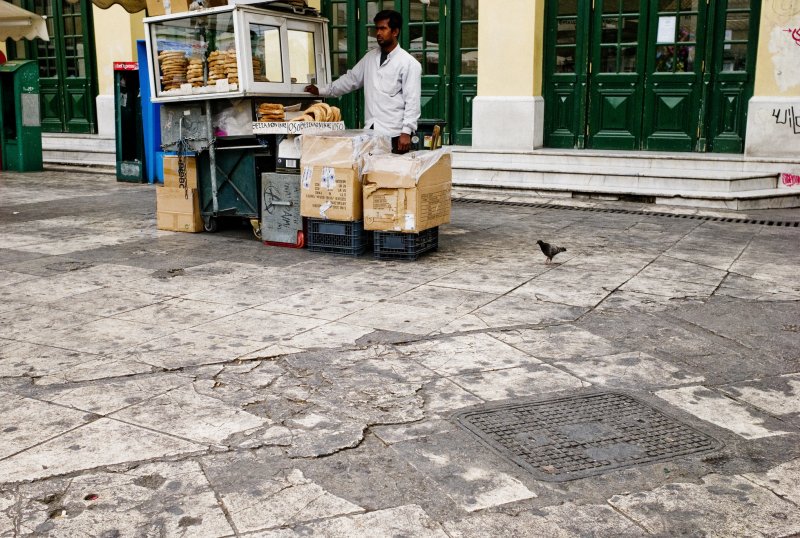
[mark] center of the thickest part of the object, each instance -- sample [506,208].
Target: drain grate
[573,437]
[761,222]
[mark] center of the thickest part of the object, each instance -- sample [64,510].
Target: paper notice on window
[666,29]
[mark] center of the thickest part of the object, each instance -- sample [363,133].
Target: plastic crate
[346,238]
[401,246]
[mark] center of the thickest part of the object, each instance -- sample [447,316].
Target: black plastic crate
[347,238]
[401,246]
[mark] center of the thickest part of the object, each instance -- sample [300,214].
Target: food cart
[231,81]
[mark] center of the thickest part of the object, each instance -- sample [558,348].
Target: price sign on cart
[295,127]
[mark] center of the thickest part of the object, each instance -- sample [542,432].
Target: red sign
[126,66]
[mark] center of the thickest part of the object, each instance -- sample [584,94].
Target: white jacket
[391,91]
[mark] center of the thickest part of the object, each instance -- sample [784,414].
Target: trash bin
[20,121]
[130,140]
[426,136]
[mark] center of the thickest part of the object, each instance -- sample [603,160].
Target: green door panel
[67,74]
[732,73]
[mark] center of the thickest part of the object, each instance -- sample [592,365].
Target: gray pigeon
[549,250]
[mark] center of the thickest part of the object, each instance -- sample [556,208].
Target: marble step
[615,180]
[84,166]
[640,160]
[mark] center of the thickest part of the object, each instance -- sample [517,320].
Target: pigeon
[549,250]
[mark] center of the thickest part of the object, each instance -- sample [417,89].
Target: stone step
[67,156]
[84,167]
[640,160]
[83,143]
[612,179]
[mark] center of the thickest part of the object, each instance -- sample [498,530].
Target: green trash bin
[20,121]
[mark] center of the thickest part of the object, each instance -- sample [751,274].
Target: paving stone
[484,281]
[258,325]
[263,492]
[719,506]
[512,310]
[10,277]
[474,482]
[99,443]
[628,370]
[39,322]
[722,411]
[317,303]
[330,335]
[409,520]
[187,414]
[178,313]
[560,342]
[189,348]
[93,368]
[27,422]
[100,336]
[464,354]
[776,395]
[783,480]
[155,499]
[564,521]
[105,397]
[520,382]
[21,359]
[391,316]
[108,301]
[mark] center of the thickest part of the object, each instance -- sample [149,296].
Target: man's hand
[404,143]
[312,89]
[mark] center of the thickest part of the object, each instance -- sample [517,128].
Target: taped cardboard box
[166,7]
[330,193]
[171,176]
[407,193]
[176,212]
[330,168]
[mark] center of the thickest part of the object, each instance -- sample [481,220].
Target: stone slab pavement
[166,384]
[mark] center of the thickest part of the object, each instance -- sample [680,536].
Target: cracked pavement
[164,384]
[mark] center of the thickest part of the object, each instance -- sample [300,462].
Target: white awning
[17,23]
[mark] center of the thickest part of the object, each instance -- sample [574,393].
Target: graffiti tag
[795,33]
[787,117]
[790,180]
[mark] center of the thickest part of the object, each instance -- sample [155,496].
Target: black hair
[394,18]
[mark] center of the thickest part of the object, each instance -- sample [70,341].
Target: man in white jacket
[392,82]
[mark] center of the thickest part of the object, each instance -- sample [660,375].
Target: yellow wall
[510,48]
[115,32]
[777,70]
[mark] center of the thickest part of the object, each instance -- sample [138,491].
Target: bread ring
[325,111]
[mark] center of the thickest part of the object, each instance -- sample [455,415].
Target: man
[392,82]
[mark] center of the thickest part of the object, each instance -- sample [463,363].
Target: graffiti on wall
[788,117]
[790,180]
[795,33]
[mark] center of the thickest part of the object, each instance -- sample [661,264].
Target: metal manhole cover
[573,437]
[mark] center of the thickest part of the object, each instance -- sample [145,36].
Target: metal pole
[212,160]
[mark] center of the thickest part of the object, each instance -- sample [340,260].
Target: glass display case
[235,51]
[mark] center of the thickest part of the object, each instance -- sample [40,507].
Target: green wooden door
[616,74]
[464,71]
[343,30]
[673,89]
[66,67]
[731,74]
[669,75]
[565,89]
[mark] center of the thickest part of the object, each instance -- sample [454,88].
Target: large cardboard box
[331,193]
[171,177]
[176,212]
[407,193]
[330,173]
[166,7]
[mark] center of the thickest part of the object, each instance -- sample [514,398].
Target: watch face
[415,139]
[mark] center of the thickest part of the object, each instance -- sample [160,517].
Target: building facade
[715,76]
[663,75]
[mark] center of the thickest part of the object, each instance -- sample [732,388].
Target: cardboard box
[166,7]
[171,177]
[330,193]
[177,213]
[330,172]
[407,193]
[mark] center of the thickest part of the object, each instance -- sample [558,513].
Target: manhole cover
[573,437]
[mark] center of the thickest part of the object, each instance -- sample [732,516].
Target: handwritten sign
[295,127]
[666,29]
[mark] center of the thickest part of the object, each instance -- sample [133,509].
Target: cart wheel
[210,224]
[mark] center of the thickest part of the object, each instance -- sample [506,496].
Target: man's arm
[350,81]
[412,92]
